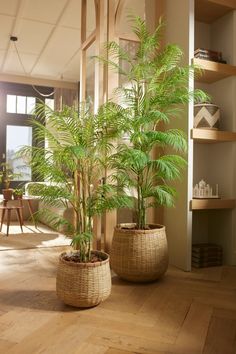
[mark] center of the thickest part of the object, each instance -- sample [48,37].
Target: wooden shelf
[212,136]
[204,204]
[214,71]
[209,11]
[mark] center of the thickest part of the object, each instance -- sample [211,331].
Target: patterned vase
[206,116]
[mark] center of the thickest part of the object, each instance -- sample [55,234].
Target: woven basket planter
[139,255]
[83,284]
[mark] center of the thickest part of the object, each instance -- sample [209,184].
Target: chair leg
[2,218]
[8,220]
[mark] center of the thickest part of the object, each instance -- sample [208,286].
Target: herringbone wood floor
[184,313]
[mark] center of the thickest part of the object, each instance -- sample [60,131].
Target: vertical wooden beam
[82,85]
[98,89]
[154,9]
[98,97]
[110,218]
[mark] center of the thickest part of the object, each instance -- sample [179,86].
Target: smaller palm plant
[79,149]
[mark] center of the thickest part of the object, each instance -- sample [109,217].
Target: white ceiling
[48,34]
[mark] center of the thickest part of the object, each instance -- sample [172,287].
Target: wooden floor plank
[118,351]
[118,327]
[216,343]
[87,348]
[17,325]
[229,277]
[130,343]
[6,345]
[60,335]
[193,333]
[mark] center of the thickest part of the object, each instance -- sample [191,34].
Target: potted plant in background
[18,193]
[79,148]
[155,90]
[6,176]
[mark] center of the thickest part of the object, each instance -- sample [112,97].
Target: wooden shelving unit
[204,204]
[212,136]
[209,11]
[214,71]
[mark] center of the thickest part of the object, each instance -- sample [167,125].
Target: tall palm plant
[154,92]
[78,150]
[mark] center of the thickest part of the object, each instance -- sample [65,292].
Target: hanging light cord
[14,39]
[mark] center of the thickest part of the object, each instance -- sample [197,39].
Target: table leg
[8,220]
[20,219]
[31,212]
[2,218]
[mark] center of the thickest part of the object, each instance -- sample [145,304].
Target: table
[18,207]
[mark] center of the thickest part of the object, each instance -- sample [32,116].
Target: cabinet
[214,152]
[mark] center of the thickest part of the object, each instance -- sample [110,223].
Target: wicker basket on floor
[83,284]
[139,255]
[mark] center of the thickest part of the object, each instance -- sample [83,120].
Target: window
[20,104]
[18,136]
[50,102]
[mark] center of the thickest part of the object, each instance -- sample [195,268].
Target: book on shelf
[208,52]
[206,57]
[206,247]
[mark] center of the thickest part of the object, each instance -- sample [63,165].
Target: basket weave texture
[139,255]
[83,284]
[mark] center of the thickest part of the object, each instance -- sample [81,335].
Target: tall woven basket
[139,255]
[83,284]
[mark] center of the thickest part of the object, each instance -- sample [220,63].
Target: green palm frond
[79,149]
[163,195]
[168,167]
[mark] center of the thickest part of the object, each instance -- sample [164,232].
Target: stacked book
[208,54]
[206,255]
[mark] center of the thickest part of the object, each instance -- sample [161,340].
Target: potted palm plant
[153,91]
[79,148]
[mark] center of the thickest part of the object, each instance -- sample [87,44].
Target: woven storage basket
[83,284]
[139,255]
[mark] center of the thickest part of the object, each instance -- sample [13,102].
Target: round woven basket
[139,255]
[83,284]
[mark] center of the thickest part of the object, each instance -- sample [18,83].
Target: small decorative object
[202,190]
[206,116]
